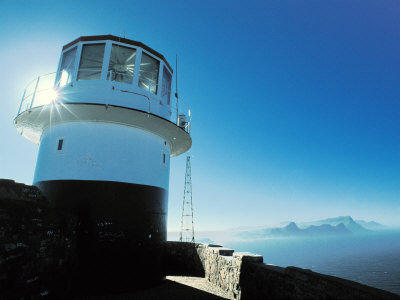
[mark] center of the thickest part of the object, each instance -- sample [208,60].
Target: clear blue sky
[296,111]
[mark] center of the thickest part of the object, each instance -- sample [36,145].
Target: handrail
[43,91]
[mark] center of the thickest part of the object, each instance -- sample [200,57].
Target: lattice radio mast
[187,224]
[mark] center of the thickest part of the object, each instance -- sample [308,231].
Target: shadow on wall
[183,259]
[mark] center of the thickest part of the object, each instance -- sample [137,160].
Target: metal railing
[44,90]
[38,92]
[181,115]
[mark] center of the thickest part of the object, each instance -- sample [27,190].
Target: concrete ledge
[222,251]
[249,257]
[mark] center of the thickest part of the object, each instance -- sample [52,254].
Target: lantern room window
[122,64]
[67,67]
[166,86]
[148,77]
[91,62]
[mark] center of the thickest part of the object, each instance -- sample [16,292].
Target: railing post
[20,105]
[34,92]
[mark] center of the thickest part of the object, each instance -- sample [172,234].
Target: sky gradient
[296,112]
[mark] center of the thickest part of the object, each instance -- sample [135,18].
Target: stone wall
[245,276]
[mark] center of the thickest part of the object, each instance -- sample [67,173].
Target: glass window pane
[166,86]
[91,62]
[67,67]
[122,63]
[148,78]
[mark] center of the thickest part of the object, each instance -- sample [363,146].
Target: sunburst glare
[45,97]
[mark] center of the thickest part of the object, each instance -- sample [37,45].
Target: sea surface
[372,259]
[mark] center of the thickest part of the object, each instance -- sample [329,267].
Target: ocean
[372,259]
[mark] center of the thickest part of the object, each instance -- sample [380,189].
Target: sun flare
[45,97]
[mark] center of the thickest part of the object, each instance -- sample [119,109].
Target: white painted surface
[34,122]
[103,152]
[111,93]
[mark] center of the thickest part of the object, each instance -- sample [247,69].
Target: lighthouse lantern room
[106,126]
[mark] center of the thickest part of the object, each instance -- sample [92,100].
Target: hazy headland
[364,251]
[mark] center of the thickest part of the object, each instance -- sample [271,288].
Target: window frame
[109,59]
[164,67]
[102,62]
[159,73]
[58,151]
[58,74]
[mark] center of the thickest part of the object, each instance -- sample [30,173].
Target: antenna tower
[187,224]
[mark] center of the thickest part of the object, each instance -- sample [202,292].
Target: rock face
[46,251]
[36,256]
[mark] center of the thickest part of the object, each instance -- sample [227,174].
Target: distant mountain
[331,226]
[292,230]
[347,221]
[325,229]
[371,225]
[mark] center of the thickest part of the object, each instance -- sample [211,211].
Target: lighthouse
[107,126]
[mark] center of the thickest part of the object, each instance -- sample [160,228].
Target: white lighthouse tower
[107,127]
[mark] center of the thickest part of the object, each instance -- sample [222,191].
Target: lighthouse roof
[110,37]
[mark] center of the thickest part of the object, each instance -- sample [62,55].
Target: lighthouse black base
[120,229]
